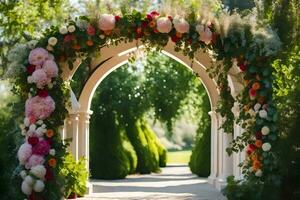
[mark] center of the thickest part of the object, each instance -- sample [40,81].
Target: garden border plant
[232,40]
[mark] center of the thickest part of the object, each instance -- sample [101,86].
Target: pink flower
[106,22]
[50,68]
[90,30]
[24,152]
[181,25]
[206,36]
[41,148]
[40,78]
[39,107]
[164,25]
[38,56]
[34,160]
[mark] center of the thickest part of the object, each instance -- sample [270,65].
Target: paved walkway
[175,182]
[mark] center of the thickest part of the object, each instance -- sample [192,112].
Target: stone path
[175,182]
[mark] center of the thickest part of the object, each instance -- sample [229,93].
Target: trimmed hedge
[152,138]
[200,159]
[130,152]
[108,157]
[146,150]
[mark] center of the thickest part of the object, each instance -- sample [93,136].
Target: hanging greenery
[233,40]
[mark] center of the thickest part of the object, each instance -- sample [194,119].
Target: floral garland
[239,45]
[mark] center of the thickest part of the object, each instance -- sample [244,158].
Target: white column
[239,156]
[225,167]
[214,147]
[72,133]
[83,135]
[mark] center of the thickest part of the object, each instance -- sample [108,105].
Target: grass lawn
[179,157]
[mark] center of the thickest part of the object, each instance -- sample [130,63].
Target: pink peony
[106,22]
[164,25]
[181,25]
[206,36]
[38,56]
[39,107]
[24,152]
[34,160]
[50,68]
[40,78]
[41,148]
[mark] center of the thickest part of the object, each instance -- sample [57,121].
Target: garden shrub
[108,158]
[146,152]
[152,138]
[76,176]
[130,152]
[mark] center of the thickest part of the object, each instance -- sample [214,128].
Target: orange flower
[49,133]
[256,86]
[139,30]
[247,107]
[152,24]
[256,165]
[246,81]
[76,47]
[258,143]
[179,35]
[253,157]
[52,162]
[89,43]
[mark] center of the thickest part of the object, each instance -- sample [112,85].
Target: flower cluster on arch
[235,42]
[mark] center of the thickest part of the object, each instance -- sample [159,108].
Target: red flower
[174,38]
[154,13]
[49,174]
[41,148]
[33,140]
[170,18]
[250,148]
[242,67]
[144,24]
[91,30]
[149,17]
[258,135]
[69,38]
[155,30]
[138,35]
[50,142]
[252,92]
[43,93]
[117,18]
[30,69]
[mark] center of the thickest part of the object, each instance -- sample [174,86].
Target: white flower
[52,152]
[251,112]
[164,25]
[257,107]
[23,174]
[32,127]
[102,36]
[29,180]
[63,30]
[52,41]
[39,171]
[31,44]
[258,173]
[265,130]
[26,189]
[44,126]
[251,169]
[49,48]
[50,85]
[29,79]
[39,186]
[23,132]
[40,131]
[39,122]
[181,25]
[26,121]
[263,114]
[200,28]
[266,146]
[71,28]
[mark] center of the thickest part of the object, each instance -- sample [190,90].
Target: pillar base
[220,183]
[89,188]
[212,180]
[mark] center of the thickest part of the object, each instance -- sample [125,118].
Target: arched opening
[77,125]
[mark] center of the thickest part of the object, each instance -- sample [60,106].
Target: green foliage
[108,158]
[75,174]
[131,154]
[145,148]
[153,140]
[200,158]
